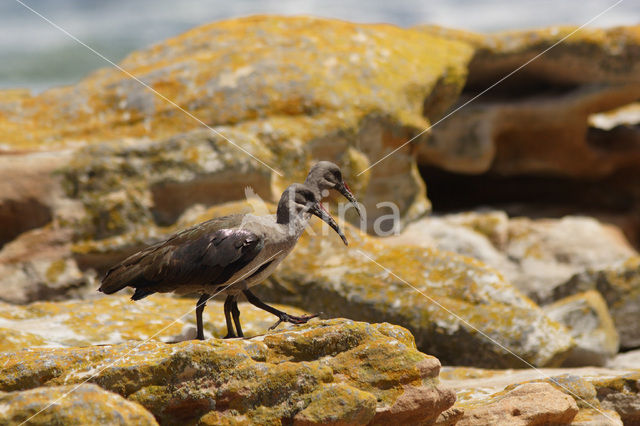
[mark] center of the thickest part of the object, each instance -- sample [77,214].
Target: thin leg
[282,316]
[199,308]
[236,316]
[227,316]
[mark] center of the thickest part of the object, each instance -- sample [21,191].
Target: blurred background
[35,55]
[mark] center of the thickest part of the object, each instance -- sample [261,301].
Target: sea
[38,50]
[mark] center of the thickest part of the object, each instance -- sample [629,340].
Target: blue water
[35,55]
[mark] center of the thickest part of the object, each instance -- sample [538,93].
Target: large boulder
[336,372]
[109,156]
[277,91]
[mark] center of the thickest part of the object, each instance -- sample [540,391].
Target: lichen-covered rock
[278,92]
[619,284]
[590,55]
[293,375]
[354,407]
[551,251]
[443,298]
[535,255]
[321,275]
[526,404]
[114,158]
[588,320]
[71,405]
[27,191]
[114,319]
[621,394]
[39,265]
[537,121]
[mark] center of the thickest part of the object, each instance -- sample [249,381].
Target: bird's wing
[207,253]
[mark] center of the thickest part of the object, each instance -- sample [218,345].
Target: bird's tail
[114,281]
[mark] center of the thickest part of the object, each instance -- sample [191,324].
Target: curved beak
[343,188]
[318,210]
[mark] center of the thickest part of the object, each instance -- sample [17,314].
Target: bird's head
[326,175]
[298,199]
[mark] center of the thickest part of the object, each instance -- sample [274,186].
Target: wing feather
[208,253]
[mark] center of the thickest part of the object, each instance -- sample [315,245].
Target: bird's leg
[227,315]
[235,312]
[199,308]
[282,316]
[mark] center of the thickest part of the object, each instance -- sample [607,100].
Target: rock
[39,265]
[480,235]
[298,374]
[133,158]
[28,192]
[626,360]
[590,417]
[526,404]
[443,298]
[115,319]
[561,132]
[604,396]
[592,55]
[619,284]
[587,318]
[107,157]
[535,255]
[551,251]
[353,407]
[621,395]
[449,417]
[71,405]
[537,121]
[320,275]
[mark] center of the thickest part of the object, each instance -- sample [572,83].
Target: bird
[226,254]
[325,175]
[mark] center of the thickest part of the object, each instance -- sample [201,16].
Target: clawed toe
[294,319]
[303,319]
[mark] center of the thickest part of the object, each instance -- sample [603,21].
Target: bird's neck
[293,222]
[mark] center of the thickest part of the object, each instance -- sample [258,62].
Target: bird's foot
[284,317]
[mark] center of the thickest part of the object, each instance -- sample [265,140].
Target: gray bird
[227,254]
[325,175]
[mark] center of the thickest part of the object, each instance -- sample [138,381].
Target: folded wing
[208,253]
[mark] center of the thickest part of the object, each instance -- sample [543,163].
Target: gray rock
[588,320]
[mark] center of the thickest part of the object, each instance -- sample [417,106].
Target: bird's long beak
[343,188]
[318,210]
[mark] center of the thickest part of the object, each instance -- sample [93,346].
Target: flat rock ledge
[326,372]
